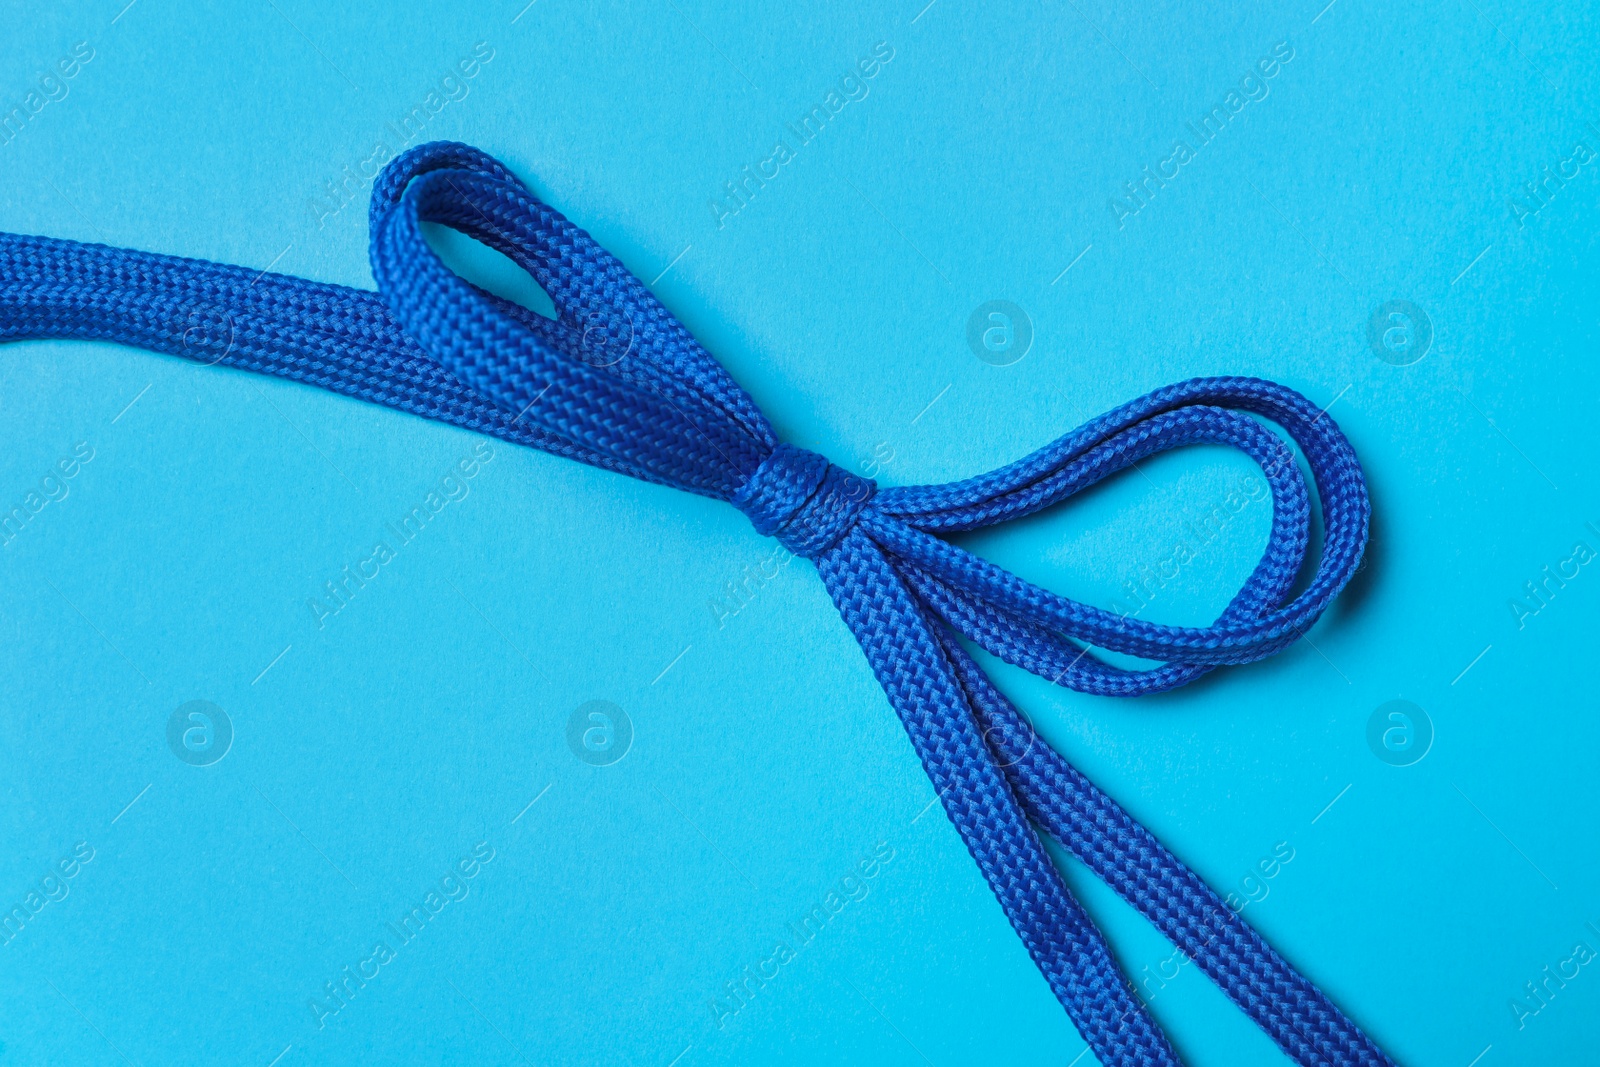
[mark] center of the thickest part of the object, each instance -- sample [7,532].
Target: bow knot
[616,381]
[803,500]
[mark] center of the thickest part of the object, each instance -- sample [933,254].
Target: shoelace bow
[618,382]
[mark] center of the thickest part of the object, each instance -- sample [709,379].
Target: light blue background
[766,762]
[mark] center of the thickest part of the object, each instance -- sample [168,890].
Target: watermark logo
[1537,994]
[50,85]
[1010,740]
[1400,333]
[999,333]
[736,596]
[599,733]
[208,335]
[752,179]
[355,179]
[452,888]
[339,592]
[199,733]
[1255,886]
[51,888]
[1399,733]
[53,487]
[1253,87]
[607,339]
[1150,579]
[1536,195]
[1552,579]
[854,886]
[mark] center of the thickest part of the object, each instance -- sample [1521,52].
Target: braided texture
[617,382]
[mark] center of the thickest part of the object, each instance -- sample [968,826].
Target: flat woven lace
[616,381]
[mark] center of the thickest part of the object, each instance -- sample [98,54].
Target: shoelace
[617,382]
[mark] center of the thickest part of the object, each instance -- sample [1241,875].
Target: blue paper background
[372,754]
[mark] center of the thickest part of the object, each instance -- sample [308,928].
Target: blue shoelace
[617,382]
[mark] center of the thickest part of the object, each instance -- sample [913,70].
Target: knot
[804,501]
